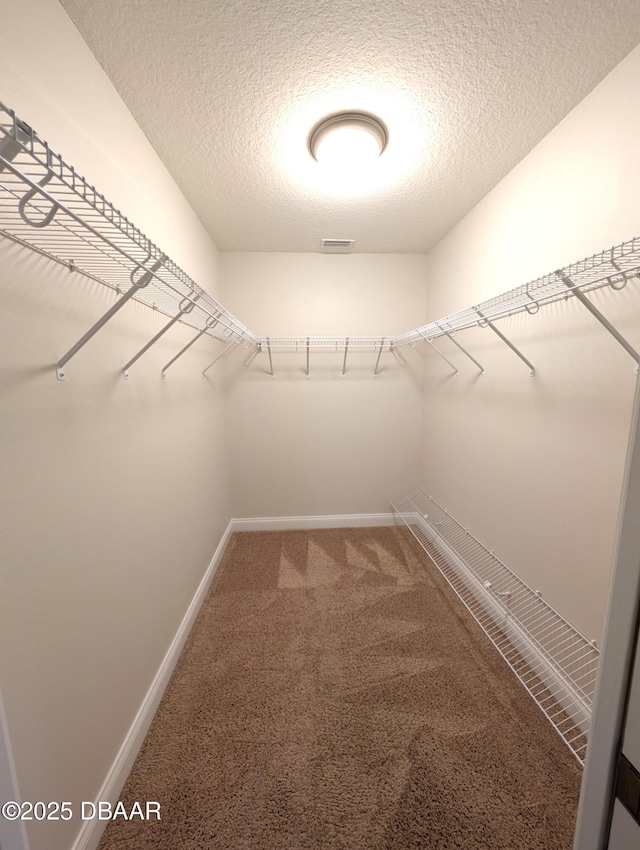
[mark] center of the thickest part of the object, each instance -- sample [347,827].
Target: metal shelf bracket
[380,348]
[582,298]
[344,362]
[48,207]
[137,284]
[487,323]
[211,322]
[464,351]
[186,306]
[271,372]
[225,350]
[554,662]
[439,353]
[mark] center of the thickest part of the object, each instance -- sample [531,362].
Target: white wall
[113,494]
[534,465]
[327,444]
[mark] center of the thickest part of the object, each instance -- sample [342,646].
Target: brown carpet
[335,694]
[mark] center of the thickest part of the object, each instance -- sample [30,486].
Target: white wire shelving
[614,267]
[46,205]
[345,346]
[556,664]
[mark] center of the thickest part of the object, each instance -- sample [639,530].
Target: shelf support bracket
[582,298]
[487,323]
[307,371]
[186,306]
[211,322]
[271,372]
[344,362]
[439,353]
[380,347]
[224,351]
[137,284]
[464,351]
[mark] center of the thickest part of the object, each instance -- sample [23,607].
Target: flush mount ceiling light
[350,139]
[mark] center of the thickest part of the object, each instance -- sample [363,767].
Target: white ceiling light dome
[349,139]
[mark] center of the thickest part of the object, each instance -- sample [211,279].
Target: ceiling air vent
[337,244]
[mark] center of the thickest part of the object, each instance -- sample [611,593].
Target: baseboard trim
[284,523]
[91,831]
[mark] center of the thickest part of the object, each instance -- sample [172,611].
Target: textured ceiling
[228,92]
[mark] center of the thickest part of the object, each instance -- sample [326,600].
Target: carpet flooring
[334,693]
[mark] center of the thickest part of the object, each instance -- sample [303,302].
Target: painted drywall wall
[326,444]
[113,493]
[534,466]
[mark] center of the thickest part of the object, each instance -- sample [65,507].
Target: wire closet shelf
[612,267]
[555,663]
[47,206]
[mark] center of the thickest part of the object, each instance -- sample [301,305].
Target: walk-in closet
[320,480]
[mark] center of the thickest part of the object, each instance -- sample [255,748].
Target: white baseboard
[91,831]
[284,523]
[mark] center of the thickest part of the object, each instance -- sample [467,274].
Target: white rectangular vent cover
[337,244]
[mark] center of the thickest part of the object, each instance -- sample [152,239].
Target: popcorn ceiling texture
[335,694]
[228,92]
